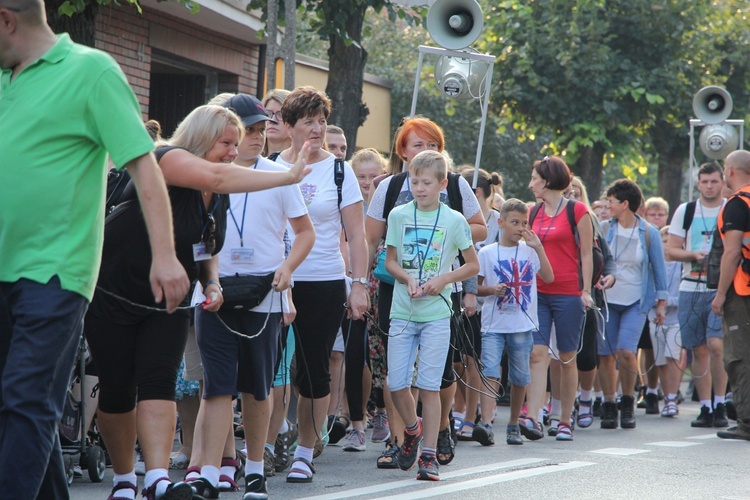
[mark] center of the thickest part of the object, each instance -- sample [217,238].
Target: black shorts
[234,364]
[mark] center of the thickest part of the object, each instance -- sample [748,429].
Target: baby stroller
[78,446]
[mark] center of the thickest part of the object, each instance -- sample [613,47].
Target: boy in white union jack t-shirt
[507,276]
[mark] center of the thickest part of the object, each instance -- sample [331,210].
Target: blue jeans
[567,314]
[697,320]
[40,327]
[519,347]
[431,340]
[623,330]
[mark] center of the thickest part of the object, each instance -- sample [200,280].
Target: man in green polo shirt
[63,107]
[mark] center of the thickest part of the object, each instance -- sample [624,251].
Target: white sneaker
[355,441]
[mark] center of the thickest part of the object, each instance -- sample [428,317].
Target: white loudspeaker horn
[461,78]
[712,105]
[718,140]
[455,24]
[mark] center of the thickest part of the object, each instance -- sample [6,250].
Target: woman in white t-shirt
[319,286]
[641,281]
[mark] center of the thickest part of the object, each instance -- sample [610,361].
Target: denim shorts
[519,347]
[623,330]
[432,339]
[697,321]
[567,314]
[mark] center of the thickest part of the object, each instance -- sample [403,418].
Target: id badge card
[242,255]
[200,253]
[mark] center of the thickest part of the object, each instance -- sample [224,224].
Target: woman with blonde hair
[136,345]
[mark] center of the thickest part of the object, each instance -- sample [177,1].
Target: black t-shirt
[126,257]
[736,216]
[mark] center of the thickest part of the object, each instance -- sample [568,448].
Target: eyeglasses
[274,115]
[209,237]
[609,202]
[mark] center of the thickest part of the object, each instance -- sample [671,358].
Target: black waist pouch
[245,292]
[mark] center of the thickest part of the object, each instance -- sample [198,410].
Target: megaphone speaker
[461,78]
[712,105]
[455,24]
[718,140]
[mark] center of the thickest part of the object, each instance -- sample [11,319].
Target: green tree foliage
[341,22]
[612,80]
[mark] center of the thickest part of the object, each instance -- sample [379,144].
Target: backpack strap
[455,200]
[391,195]
[338,177]
[534,212]
[273,156]
[689,214]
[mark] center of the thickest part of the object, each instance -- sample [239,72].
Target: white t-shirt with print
[325,262]
[517,267]
[262,218]
[698,238]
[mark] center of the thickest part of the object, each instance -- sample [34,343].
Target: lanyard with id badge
[241,255]
[204,249]
[420,259]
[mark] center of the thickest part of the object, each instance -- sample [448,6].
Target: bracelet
[214,282]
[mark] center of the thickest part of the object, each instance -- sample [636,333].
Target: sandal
[307,475]
[445,447]
[192,470]
[585,414]
[387,460]
[465,432]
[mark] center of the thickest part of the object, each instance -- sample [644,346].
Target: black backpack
[716,252]
[119,189]
[455,201]
[596,250]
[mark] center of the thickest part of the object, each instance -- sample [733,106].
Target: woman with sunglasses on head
[562,302]
[137,346]
[277,138]
[641,284]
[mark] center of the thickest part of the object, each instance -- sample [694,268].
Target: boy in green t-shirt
[423,239]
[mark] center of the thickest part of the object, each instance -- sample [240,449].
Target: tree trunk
[589,168]
[80,27]
[673,149]
[346,79]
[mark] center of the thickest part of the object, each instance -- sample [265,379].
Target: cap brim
[252,120]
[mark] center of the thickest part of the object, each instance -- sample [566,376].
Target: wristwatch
[360,280]
[214,282]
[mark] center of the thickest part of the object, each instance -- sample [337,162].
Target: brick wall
[129,37]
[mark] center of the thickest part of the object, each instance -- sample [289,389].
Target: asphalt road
[661,459]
